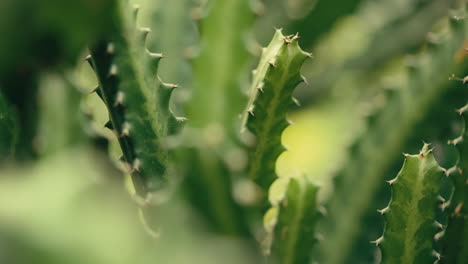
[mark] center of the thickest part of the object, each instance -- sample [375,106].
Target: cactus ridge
[293,231]
[412,208]
[455,239]
[137,101]
[366,168]
[275,79]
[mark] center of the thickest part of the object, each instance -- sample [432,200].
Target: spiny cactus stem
[275,78]
[412,208]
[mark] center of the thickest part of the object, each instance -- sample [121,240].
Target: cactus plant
[220,164]
[134,100]
[275,78]
[412,208]
[291,221]
[366,167]
[8,130]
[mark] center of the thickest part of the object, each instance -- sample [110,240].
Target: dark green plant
[455,239]
[221,160]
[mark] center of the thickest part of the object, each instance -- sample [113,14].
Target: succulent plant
[221,160]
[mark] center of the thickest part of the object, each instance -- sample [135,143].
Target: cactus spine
[137,101]
[409,217]
[176,34]
[275,78]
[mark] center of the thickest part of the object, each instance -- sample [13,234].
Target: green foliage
[216,101]
[412,208]
[8,130]
[389,128]
[294,218]
[137,101]
[321,18]
[404,29]
[275,78]
[46,34]
[455,240]
[215,189]
[221,66]
[20,89]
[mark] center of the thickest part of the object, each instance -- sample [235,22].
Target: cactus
[291,221]
[409,105]
[412,208]
[223,161]
[455,240]
[213,110]
[137,101]
[275,78]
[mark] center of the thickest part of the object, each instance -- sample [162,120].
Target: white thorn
[113,70]
[110,48]
[126,129]
[119,98]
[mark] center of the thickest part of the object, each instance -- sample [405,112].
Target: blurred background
[62,199]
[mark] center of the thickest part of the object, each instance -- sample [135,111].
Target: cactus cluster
[221,158]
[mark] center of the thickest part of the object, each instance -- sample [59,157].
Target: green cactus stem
[410,216]
[275,79]
[137,101]
[176,34]
[294,218]
[219,71]
[321,18]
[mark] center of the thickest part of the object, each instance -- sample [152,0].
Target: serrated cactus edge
[292,230]
[410,216]
[137,101]
[275,78]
